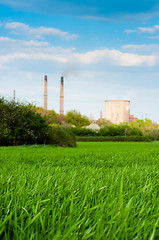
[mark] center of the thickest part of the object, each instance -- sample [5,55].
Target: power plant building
[117,111]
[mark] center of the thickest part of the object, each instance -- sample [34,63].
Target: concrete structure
[117,111]
[45,92]
[62,97]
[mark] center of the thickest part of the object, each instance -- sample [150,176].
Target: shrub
[154,132]
[19,124]
[119,130]
[116,139]
[112,130]
[61,136]
[82,131]
[135,132]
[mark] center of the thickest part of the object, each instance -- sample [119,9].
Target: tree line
[24,123]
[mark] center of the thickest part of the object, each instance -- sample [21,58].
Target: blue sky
[106,50]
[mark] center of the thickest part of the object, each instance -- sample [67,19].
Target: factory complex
[116,111]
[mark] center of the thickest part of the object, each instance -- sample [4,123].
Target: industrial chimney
[100,114]
[45,92]
[61,97]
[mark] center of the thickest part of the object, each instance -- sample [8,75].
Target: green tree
[75,118]
[144,125]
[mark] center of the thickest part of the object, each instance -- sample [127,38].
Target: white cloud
[98,18]
[23,29]
[146,30]
[154,37]
[9,46]
[142,48]
[127,59]
[15,50]
[13,57]
[134,47]
[15,3]
[1,66]
[31,43]
[117,58]
[150,30]
[38,56]
[94,57]
[128,31]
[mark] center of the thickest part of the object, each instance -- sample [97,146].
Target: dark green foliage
[116,139]
[135,131]
[61,136]
[19,124]
[83,131]
[119,130]
[109,131]
[75,118]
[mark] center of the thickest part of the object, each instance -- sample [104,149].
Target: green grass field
[95,191]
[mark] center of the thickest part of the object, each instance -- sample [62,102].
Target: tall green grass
[94,191]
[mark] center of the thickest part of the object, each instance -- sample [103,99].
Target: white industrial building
[117,111]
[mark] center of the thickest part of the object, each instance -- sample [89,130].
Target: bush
[19,124]
[112,130]
[153,132]
[83,131]
[116,139]
[135,131]
[61,136]
[109,131]
[119,130]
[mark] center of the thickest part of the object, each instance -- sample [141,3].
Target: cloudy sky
[105,49]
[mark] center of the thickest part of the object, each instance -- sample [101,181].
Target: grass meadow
[95,191]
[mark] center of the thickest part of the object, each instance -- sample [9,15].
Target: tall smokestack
[61,97]
[45,92]
[100,114]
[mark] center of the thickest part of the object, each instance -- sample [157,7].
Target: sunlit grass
[95,191]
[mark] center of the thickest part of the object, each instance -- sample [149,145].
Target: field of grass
[95,191]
